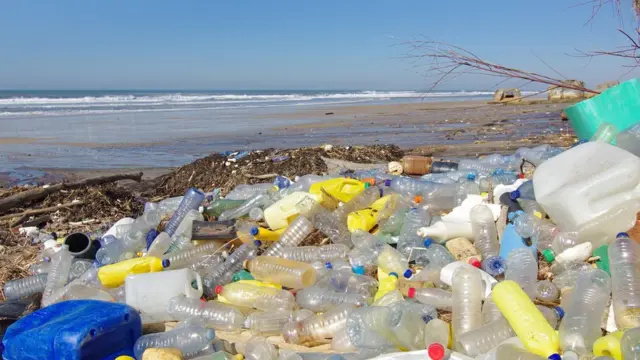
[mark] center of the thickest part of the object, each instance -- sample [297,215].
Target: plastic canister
[74,330]
[592,188]
[280,213]
[366,219]
[150,293]
[416,165]
[113,275]
[341,189]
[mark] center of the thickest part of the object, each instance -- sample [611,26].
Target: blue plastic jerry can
[511,241]
[74,330]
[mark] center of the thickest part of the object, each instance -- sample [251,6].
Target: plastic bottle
[629,140]
[547,291]
[467,301]
[222,273]
[346,281]
[484,338]
[267,323]
[315,253]
[445,230]
[526,320]
[319,327]
[212,313]
[486,236]
[189,338]
[288,273]
[33,284]
[184,258]
[480,167]
[252,296]
[407,325]
[320,299]
[391,260]
[113,275]
[465,188]
[279,214]
[409,238]
[441,299]
[295,233]
[331,226]
[434,256]
[522,267]
[368,327]
[160,245]
[181,238]
[437,331]
[553,315]
[564,240]
[609,345]
[447,272]
[490,311]
[624,256]
[191,201]
[243,192]
[524,191]
[261,200]
[629,344]
[219,206]
[512,352]
[58,274]
[495,180]
[360,201]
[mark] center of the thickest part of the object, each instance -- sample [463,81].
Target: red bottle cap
[411,293]
[218,289]
[436,351]
[474,262]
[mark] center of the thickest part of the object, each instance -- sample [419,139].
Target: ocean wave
[179,98]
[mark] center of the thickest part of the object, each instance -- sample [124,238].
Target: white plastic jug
[593,188]
[150,293]
[277,215]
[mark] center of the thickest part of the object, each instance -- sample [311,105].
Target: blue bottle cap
[511,215]
[328,265]
[257,243]
[622,234]
[166,263]
[407,274]
[559,311]
[255,231]
[358,269]
[471,176]
[555,357]
[381,192]
[387,182]
[427,242]
[393,274]
[426,318]
[514,194]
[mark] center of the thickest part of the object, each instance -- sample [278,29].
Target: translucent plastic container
[188,337]
[129,239]
[441,299]
[436,331]
[495,180]
[629,344]
[315,253]
[409,238]
[526,320]
[331,226]
[181,238]
[575,189]
[432,256]
[347,281]
[547,291]
[183,258]
[267,323]
[467,301]
[243,192]
[522,267]
[58,274]
[319,327]
[19,288]
[466,186]
[630,140]
[320,299]
[259,297]
[295,233]
[288,273]
[368,327]
[160,245]
[360,201]
[222,273]
[341,342]
[553,315]
[580,327]
[512,352]
[486,239]
[407,325]
[624,261]
[261,201]
[477,165]
[484,338]
[214,314]
[191,201]
[490,311]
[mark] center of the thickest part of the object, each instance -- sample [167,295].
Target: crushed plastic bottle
[213,314]
[522,267]
[318,327]
[288,273]
[259,297]
[320,300]
[189,337]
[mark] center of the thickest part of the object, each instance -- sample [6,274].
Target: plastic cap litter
[255,231]
[328,265]
[166,263]
[436,351]
[408,274]
[358,270]
[393,274]
[387,182]
[411,293]
[622,234]
[218,289]
[474,262]
[427,242]
[366,185]
[547,254]
[257,243]
[514,194]
[555,357]
[471,176]
[417,199]
[559,311]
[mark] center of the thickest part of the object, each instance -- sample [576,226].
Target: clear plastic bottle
[331,226]
[29,285]
[490,311]
[407,324]
[258,348]
[484,338]
[547,291]
[58,274]
[477,165]
[624,256]
[259,297]
[513,352]
[260,201]
[409,238]
[181,239]
[188,337]
[183,258]
[256,214]
[346,281]
[433,256]
[565,240]
[358,202]
[486,235]
[466,187]
[288,273]
[467,301]
[580,327]
[166,206]
[553,315]
[191,201]
[223,273]
[295,233]
[391,260]
[243,192]
[495,180]
[439,298]
[319,327]
[212,313]
[630,140]
[436,331]
[629,344]
[129,240]
[315,253]
[368,327]
[532,207]
[320,299]
[267,323]
[341,342]
[160,245]
[522,267]
[524,223]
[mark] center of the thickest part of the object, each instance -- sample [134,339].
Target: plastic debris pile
[445,266]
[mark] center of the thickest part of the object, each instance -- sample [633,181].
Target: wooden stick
[265,176]
[10,202]
[41,211]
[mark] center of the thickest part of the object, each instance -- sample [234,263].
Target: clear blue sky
[285,44]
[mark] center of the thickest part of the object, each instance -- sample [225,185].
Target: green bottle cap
[242,275]
[603,253]
[547,254]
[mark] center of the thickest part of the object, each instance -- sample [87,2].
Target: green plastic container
[619,105]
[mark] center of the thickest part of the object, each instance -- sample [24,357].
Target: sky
[291,44]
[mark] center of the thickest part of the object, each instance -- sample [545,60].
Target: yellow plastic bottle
[366,219]
[113,275]
[281,213]
[387,283]
[288,273]
[609,345]
[264,234]
[526,320]
[339,188]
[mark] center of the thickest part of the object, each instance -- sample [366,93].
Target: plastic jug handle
[189,291]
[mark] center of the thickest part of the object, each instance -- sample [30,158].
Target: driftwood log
[12,201]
